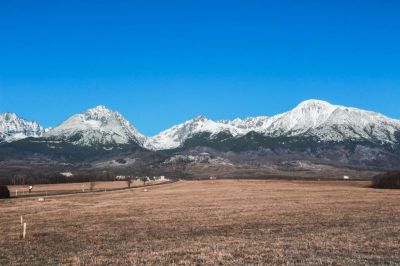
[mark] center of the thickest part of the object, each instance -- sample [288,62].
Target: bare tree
[144,180]
[129,181]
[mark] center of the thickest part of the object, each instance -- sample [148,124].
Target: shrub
[144,180]
[129,181]
[121,161]
[388,180]
[4,192]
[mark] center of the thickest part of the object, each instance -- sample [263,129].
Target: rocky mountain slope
[14,128]
[95,127]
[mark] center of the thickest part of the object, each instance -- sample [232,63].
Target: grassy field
[51,189]
[205,222]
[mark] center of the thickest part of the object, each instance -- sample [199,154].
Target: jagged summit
[100,109]
[97,126]
[13,127]
[9,116]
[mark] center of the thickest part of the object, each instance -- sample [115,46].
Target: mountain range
[315,130]
[313,118]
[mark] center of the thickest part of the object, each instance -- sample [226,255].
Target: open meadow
[70,188]
[221,222]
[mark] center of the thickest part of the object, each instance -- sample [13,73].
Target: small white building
[346,177]
[121,177]
[67,174]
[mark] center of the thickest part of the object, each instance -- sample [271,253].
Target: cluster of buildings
[140,178]
[126,177]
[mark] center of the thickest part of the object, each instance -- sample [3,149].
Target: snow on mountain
[177,135]
[307,115]
[97,126]
[14,128]
[332,123]
[313,118]
[247,124]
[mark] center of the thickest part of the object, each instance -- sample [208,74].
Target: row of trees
[51,178]
[389,180]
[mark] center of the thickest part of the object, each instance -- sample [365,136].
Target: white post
[24,232]
[22,220]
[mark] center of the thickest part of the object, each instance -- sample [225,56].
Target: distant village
[127,177]
[140,178]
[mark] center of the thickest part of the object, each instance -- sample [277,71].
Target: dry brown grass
[205,222]
[41,189]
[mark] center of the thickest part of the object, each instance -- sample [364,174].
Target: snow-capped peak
[200,118]
[97,126]
[314,104]
[14,128]
[308,114]
[99,110]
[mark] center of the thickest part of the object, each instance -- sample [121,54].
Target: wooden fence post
[24,232]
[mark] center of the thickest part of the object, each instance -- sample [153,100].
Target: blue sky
[162,62]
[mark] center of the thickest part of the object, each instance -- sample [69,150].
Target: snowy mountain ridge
[13,127]
[312,118]
[175,136]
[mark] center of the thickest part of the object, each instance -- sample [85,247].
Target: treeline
[389,180]
[81,176]
[54,179]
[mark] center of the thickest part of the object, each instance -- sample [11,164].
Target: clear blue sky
[162,62]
